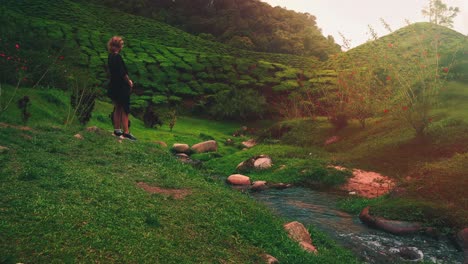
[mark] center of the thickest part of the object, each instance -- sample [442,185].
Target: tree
[439,14]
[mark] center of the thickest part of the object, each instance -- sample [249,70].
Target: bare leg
[117,116]
[125,122]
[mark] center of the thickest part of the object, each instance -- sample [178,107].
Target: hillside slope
[168,65]
[79,200]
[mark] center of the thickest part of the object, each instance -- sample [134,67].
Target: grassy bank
[65,199]
[431,170]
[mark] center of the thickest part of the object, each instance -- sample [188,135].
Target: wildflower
[61,57]
[390,45]
[2,55]
[386,111]
[17,46]
[404,108]
[445,69]
[389,78]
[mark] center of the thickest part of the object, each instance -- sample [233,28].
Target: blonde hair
[115,44]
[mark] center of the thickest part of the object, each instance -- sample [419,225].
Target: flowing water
[373,246]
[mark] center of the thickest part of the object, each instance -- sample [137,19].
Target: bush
[82,101]
[239,104]
[151,118]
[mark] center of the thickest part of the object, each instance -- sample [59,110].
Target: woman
[120,88]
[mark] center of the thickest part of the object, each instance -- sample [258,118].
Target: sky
[352,17]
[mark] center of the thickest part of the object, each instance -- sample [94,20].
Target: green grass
[435,164]
[67,200]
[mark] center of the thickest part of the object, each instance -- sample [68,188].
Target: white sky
[352,17]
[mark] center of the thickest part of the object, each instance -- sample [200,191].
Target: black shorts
[120,99]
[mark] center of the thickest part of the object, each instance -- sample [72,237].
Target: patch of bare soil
[367,183]
[175,193]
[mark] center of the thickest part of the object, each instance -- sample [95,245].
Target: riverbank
[72,194]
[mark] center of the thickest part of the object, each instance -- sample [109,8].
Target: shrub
[240,104]
[82,100]
[151,118]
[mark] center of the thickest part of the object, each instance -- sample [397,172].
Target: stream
[317,208]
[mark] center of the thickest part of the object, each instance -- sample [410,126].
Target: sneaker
[118,132]
[129,136]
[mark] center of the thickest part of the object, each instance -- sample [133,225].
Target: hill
[65,199]
[168,65]
[407,44]
[250,24]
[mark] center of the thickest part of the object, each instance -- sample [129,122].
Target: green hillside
[70,200]
[167,64]
[407,44]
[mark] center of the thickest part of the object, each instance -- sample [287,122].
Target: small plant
[172,119]
[82,99]
[23,105]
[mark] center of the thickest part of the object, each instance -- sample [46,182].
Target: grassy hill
[410,43]
[65,199]
[167,65]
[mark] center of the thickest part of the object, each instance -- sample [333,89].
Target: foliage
[439,14]
[82,98]
[418,83]
[172,119]
[251,24]
[359,92]
[151,118]
[168,66]
[241,104]
[299,103]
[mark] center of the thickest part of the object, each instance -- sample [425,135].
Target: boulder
[299,233]
[391,226]
[269,259]
[207,146]
[308,247]
[263,163]
[249,143]
[161,143]
[181,148]
[238,179]
[245,165]
[257,162]
[259,186]
[182,157]
[78,136]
